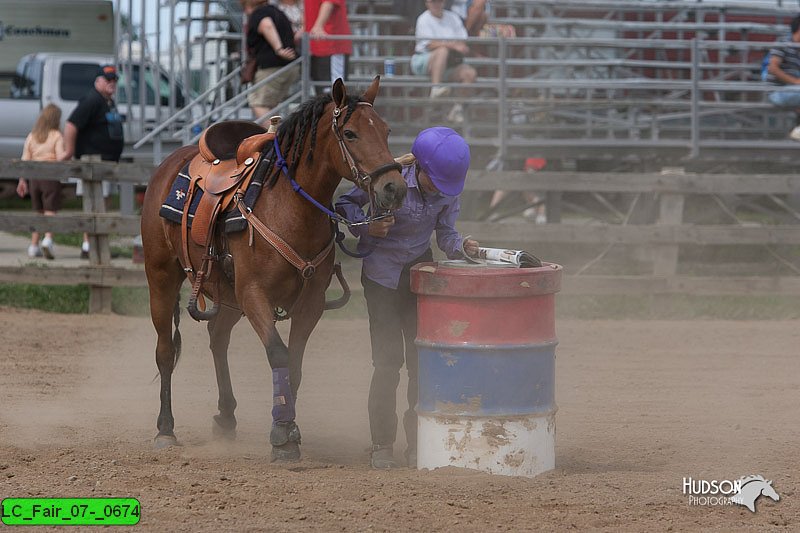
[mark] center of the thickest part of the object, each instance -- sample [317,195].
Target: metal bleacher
[636,83]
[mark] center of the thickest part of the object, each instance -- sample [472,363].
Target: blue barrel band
[465,381]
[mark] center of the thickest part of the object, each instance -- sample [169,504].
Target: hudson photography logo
[743,491]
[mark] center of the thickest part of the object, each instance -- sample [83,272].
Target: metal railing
[584,96]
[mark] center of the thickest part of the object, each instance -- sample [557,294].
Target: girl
[435,171]
[44,143]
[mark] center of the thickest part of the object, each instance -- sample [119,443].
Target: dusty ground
[642,404]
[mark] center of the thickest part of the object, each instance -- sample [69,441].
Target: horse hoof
[288,453]
[221,428]
[164,441]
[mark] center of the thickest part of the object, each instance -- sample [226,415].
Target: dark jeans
[392,331]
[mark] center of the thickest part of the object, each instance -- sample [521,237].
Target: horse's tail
[176,336]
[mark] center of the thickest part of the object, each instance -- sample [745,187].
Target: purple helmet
[444,156]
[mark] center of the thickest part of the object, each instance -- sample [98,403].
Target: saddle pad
[172,208]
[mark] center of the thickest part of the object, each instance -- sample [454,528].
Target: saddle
[229,153]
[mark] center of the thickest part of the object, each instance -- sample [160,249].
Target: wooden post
[99,249]
[670,213]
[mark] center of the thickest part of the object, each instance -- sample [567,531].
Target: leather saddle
[229,153]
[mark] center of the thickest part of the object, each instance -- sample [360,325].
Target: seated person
[474,13]
[440,52]
[784,69]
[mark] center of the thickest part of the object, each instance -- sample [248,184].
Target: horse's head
[361,143]
[335,136]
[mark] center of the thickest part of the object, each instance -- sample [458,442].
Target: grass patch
[52,298]
[131,301]
[134,301]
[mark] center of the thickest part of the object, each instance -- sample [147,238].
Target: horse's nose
[392,194]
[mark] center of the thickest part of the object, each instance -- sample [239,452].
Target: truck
[50,52]
[66,26]
[63,79]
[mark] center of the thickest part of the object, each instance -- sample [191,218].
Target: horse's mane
[748,479]
[292,131]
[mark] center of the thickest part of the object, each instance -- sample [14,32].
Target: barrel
[486,341]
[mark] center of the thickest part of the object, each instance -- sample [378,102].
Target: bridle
[363,180]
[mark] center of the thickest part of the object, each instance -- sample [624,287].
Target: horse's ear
[339,93]
[372,91]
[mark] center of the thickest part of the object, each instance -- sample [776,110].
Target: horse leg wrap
[283,433]
[282,397]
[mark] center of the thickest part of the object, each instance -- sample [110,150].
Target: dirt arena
[642,404]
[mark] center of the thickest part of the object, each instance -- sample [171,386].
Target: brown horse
[327,138]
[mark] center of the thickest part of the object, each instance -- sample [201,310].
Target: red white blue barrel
[486,340]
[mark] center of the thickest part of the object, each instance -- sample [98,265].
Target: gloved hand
[379,228]
[471,247]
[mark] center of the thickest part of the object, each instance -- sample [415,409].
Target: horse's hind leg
[219,330]
[165,286]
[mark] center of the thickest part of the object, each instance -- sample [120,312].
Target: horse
[751,488]
[328,137]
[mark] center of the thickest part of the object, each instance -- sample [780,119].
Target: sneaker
[47,248]
[795,134]
[34,251]
[382,458]
[438,91]
[456,114]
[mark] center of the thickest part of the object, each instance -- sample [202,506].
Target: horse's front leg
[284,435]
[219,331]
[303,323]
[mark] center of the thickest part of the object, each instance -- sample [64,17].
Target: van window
[75,80]
[27,82]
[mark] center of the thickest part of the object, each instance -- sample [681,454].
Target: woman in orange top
[44,143]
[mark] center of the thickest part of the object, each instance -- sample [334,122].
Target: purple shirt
[409,237]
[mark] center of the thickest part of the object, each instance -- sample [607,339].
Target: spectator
[44,143]
[271,39]
[409,10]
[435,171]
[440,52]
[784,69]
[95,127]
[328,58]
[294,12]
[474,14]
